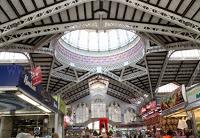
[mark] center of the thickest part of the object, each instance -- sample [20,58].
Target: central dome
[93,50]
[101,40]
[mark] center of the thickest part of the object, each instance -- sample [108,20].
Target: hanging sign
[36,76]
[193,94]
[151,106]
[175,98]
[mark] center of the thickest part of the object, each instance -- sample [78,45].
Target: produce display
[169,123]
[165,124]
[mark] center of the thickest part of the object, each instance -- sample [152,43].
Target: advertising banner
[193,94]
[151,106]
[36,76]
[15,75]
[170,101]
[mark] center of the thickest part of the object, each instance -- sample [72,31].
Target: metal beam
[174,46]
[72,84]
[45,40]
[63,76]
[107,24]
[155,40]
[195,73]
[49,78]
[60,68]
[163,68]
[138,67]
[147,67]
[118,93]
[164,14]
[134,75]
[76,74]
[26,48]
[38,15]
[122,73]
[140,91]
[75,95]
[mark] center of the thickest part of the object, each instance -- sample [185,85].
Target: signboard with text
[15,75]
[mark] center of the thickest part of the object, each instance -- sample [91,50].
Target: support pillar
[6,125]
[59,124]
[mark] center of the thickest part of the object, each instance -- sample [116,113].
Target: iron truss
[169,16]
[106,24]
[26,48]
[15,47]
[72,84]
[36,16]
[132,87]
[56,8]
[174,46]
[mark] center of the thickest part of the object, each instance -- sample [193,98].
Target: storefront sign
[151,106]
[14,75]
[173,99]
[36,74]
[10,75]
[193,94]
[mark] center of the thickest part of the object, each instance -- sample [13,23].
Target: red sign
[151,106]
[36,76]
[103,123]
[143,110]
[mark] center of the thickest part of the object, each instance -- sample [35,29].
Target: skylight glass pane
[186,55]
[101,40]
[10,57]
[93,45]
[74,38]
[123,37]
[83,40]
[167,88]
[114,43]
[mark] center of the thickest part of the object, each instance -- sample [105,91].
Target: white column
[59,125]
[56,123]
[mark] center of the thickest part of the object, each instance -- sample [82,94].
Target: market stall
[151,116]
[174,115]
[193,97]
[25,105]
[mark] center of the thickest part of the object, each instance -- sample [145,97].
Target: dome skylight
[100,50]
[101,40]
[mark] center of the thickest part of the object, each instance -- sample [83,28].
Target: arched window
[98,108]
[129,116]
[114,112]
[82,113]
